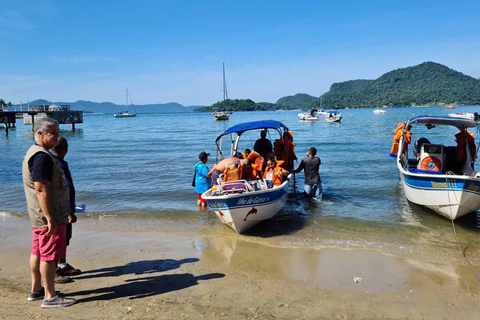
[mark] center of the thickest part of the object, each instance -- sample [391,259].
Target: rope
[456,237]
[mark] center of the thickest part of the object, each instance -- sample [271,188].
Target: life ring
[431,163]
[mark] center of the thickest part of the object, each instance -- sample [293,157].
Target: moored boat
[313,115]
[438,176]
[242,204]
[222,114]
[126,114]
[333,116]
[465,115]
[379,111]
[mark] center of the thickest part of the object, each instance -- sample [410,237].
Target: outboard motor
[417,146]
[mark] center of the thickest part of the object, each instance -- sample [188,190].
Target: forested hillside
[428,83]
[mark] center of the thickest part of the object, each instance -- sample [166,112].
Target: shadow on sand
[137,267]
[144,287]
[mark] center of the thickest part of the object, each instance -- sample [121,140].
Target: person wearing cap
[203,179]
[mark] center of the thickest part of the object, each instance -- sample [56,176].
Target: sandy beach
[146,275]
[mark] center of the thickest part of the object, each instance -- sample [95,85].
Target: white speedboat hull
[307,117]
[451,200]
[245,210]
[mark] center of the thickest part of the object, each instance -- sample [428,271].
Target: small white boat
[439,177]
[465,115]
[333,116]
[242,204]
[126,114]
[313,115]
[379,111]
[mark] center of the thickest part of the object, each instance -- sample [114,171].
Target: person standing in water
[311,166]
[203,179]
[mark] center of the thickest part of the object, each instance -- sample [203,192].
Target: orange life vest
[232,173]
[396,139]
[284,150]
[462,146]
[277,175]
[257,164]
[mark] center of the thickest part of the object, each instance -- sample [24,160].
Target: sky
[172,51]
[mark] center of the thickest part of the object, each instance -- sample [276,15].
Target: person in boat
[65,270]
[273,172]
[221,167]
[203,179]
[239,155]
[311,167]
[263,145]
[246,153]
[284,150]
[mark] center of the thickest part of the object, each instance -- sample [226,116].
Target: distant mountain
[298,101]
[428,83]
[109,107]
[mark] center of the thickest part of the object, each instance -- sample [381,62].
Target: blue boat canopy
[332,111]
[460,123]
[254,125]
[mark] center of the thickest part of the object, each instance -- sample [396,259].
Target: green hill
[428,83]
[298,101]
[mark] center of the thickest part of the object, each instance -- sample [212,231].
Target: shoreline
[147,275]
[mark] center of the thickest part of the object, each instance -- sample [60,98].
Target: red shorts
[50,247]
[200,198]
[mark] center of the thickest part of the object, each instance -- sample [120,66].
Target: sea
[135,174]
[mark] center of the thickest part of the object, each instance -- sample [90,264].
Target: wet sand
[147,275]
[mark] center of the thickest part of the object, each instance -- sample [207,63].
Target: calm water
[142,168]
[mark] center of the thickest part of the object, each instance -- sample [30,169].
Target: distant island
[108,107]
[428,83]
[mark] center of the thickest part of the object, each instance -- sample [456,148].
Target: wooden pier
[62,116]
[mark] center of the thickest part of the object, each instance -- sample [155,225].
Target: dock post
[33,122]
[6,129]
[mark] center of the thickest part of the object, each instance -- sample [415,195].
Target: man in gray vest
[46,190]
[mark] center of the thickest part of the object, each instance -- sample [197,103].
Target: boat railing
[241,186]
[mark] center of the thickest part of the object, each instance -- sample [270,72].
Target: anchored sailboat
[222,114]
[126,114]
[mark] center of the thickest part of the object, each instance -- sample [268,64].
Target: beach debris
[358,280]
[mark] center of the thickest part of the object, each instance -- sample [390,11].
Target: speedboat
[465,115]
[450,107]
[309,116]
[333,116]
[242,204]
[379,111]
[435,175]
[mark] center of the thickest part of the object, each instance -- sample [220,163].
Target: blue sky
[172,51]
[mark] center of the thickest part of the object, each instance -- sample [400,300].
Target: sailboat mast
[225,94]
[126,98]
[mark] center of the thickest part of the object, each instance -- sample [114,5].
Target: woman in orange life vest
[273,172]
[284,150]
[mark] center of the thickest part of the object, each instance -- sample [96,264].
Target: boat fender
[431,164]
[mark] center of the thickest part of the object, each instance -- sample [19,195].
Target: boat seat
[451,161]
[237,186]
